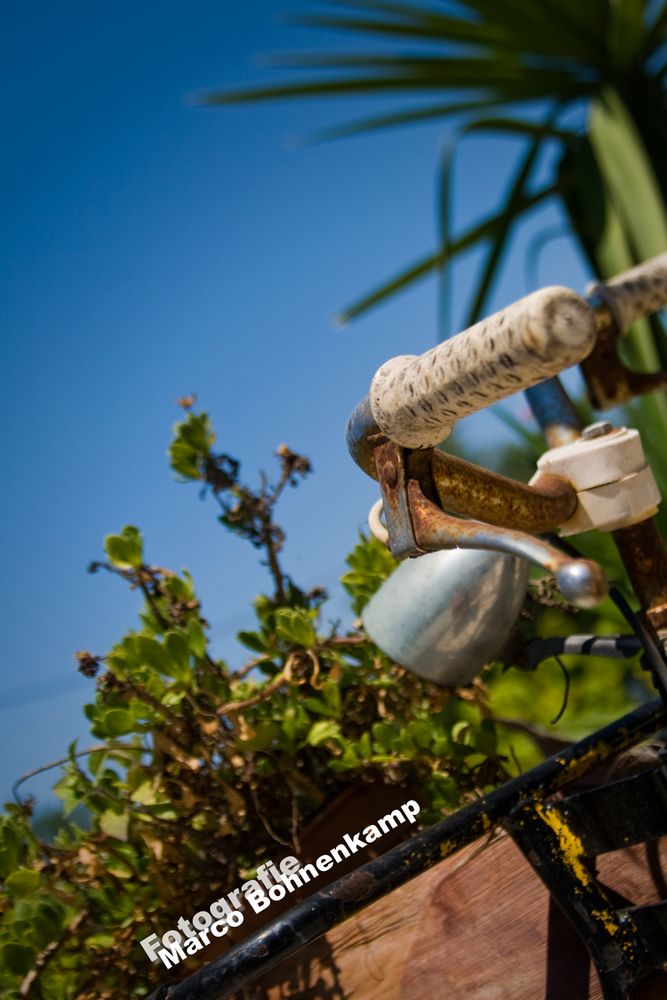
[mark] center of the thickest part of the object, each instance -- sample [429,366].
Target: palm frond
[410,116]
[426,265]
[511,83]
[444,215]
[628,174]
[519,126]
[657,32]
[436,29]
[512,55]
[509,216]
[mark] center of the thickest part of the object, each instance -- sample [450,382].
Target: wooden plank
[479,926]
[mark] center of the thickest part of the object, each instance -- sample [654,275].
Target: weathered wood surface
[479,926]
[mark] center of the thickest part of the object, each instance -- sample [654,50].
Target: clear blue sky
[153,248]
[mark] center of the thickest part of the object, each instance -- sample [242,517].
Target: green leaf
[252,640]
[145,793]
[117,722]
[510,86]
[486,739]
[196,638]
[295,627]
[318,706]
[178,652]
[193,440]
[635,228]
[628,174]
[421,732]
[265,733]
[196,431]
[101,942]
[364,747]
[349,760]
[461,731]
[290,723]
[322,731]
[153,653]
[331,691]
[370,563]
[125,550]
[410,22]
[23,882]
[17,958]
[10,846]
[70,790]
[114,824]
[626,33]
[383,736]
[47,920]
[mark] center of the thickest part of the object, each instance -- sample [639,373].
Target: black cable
[654,658]
[566,675]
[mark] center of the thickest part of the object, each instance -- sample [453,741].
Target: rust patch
[465,488]
[643,552]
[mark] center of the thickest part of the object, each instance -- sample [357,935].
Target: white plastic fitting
[615,487]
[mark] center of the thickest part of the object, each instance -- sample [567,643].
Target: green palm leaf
[509,215]
[636,227]
[628,174]
[485,54]
[428,264]
[411,116]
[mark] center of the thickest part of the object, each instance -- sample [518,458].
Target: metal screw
[596,430]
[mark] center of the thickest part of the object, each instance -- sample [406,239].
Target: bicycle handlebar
[416,400]
[635,293]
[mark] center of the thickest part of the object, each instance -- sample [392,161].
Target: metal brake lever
[416,525]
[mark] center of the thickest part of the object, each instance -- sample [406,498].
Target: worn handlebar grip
[415,400]
[634,293]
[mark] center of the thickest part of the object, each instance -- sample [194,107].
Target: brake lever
[415,525]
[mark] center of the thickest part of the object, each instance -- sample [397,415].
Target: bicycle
[593,477]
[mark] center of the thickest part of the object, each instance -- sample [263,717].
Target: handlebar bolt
[596,430]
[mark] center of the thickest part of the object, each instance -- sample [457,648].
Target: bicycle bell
[446,614]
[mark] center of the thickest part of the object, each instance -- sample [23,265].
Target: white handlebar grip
[415,401]
[634,293]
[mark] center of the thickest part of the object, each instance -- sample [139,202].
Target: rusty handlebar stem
[465,488]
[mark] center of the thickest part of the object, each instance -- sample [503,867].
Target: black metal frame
[561,840]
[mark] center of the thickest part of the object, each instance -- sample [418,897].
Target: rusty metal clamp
[616,305]
[609,382]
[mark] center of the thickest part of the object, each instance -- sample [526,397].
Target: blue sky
[153,248]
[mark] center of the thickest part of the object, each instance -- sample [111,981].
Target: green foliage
[192,442]
[370,564]
[199,773]
[125,550]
